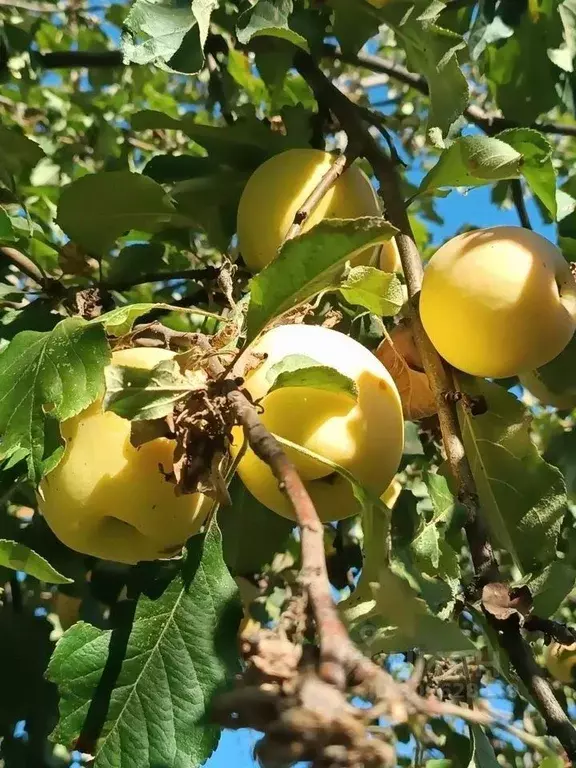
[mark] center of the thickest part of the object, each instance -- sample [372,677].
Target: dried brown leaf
[398,354]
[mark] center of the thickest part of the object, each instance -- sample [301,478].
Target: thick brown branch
[351,122]
[533,678]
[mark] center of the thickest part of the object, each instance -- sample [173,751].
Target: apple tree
[245,482]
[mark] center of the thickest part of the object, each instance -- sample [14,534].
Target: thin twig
[520,203]
[217,87]
[24,264]
[485,565]
[491,124]
[336,170]
[205,273]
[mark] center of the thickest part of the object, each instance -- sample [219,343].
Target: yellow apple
[560,661]
[111,500]
[365,436]
[389,257]
[279,187]
[498,302]
[564,401]
[391,494]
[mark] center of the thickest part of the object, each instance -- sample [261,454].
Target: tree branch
[204,273]
[520,203]
[485,565]
[79,59]
[491,124]
[217,87]
[336,170]
[24,264]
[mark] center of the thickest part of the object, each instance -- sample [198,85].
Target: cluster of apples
[495,303]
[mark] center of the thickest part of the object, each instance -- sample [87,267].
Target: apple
[560,660]
[365,436]
[278,188]
[390,257]
[498,302]
[111,500]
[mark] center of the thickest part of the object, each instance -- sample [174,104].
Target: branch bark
[520,203]
[341,163]
[205,273]
[24,264]
[484,561]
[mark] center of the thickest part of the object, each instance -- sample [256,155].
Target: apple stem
[440,377]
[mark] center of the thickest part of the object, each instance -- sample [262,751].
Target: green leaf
[180,651]
[378,292]
[432,51]
[472,161]
[523,498]
[550,587]
[46,378]
[18,153]
[137,259]
[387,616]
[211,202]
[308,264]
[386,613]
[482,752]
[119,321]
[302,371]
[138,394]
[520,74]
[552,761]
[168,33]
[353,24]
[537,166]
[272,18]
[244,145]
[98,208]
[7,233]
[559,375]
[426,541]
[19,557]
[245,553]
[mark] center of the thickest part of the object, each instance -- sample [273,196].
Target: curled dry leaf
[399,354]
[502,602]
